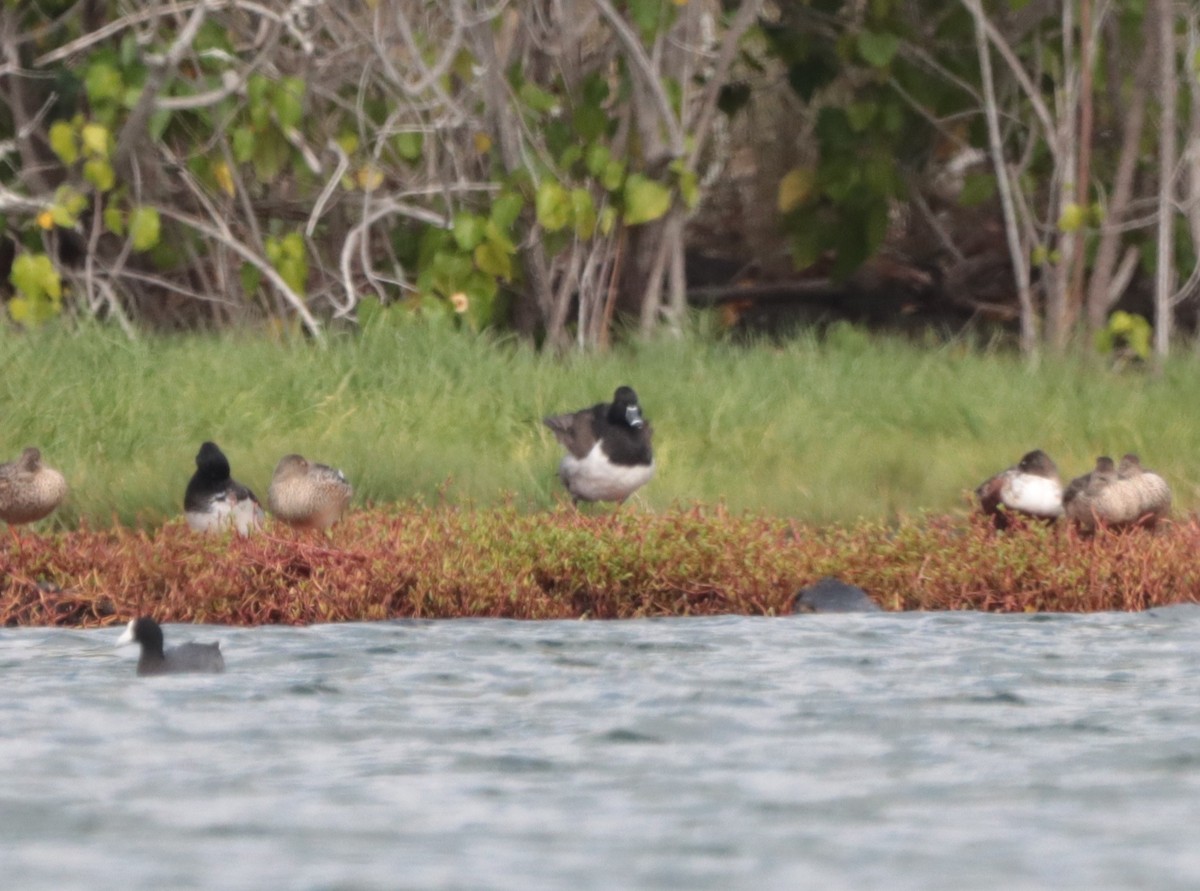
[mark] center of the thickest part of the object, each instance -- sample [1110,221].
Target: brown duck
[1117,496]
[308,495]
[29,490]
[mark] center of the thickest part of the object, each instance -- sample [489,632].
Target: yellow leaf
[369,177]
[95,140]
[224,177]
[1071,219]
[795,188]
[46,219]
[483,143]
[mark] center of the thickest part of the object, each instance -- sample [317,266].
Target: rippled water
[890,751]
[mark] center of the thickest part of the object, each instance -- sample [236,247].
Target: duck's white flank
[595,478]
[1033,494]
[224,511]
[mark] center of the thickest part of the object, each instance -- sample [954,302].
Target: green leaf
[103,83]
[144,228]
[491,258]
[553,206]
[251,277]
[114,220]
[689,188]
[288,256]
[68,204]
[1072,218]
[100,174]
[506,208]
[1128,331]
[608,220]
[259,109]
[596,158]
[878,48]
[39,290]
[467,229]
[271,153]
[288,102]
[590,122]
[409,145]
[614,175]
[499,237]
[243,144]
[64,142]
[34,275]
[645,200]
[649,16]
[584,211]
[570,156]
[536,99]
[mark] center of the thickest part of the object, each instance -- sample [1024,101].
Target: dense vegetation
[418,561]
[542,167]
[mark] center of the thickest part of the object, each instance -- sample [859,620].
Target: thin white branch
[1016,251]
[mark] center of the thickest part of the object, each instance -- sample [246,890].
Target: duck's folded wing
[576,432]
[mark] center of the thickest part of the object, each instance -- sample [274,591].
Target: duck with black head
[1032,488]
[214,501]
[609,453]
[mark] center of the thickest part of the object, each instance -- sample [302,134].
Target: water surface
[923,751]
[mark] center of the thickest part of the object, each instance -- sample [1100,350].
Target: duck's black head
[1039,463]
[625,409]
[211,463]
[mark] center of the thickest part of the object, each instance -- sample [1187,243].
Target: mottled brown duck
[29,489]
[308,495]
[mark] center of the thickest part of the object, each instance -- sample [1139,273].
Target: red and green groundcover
[417,561]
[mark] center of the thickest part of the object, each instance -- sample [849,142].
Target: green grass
[823,432]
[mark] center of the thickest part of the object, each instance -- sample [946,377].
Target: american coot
[214,501]
[29,490]
[608,449]
[1031,488]
[188,657]
[308,495]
